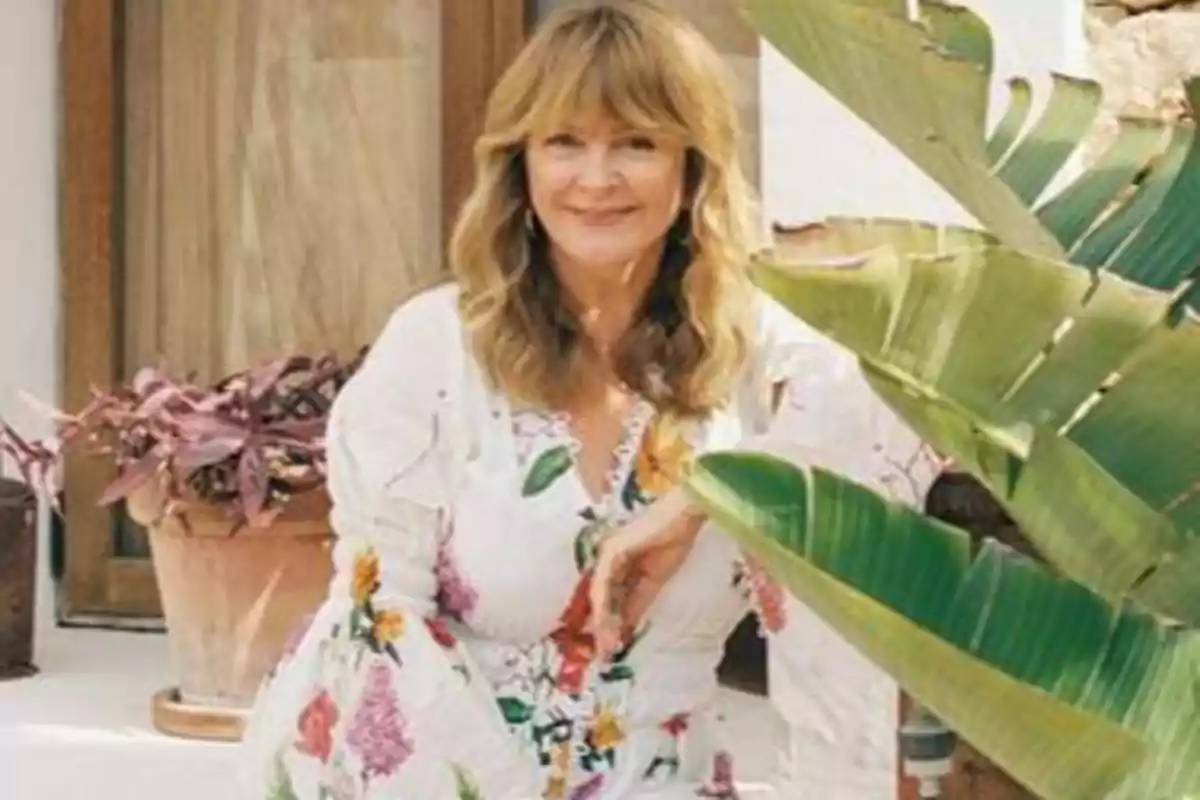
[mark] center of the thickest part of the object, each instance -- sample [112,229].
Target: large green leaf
[1166,249]
[1038,156]
[1071,696]
[1058,389]
[961,32]
[1077,208]
[923,85]
[1139,205]
[1005,134]
[929,103]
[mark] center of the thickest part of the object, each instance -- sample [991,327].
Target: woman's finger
[608,578]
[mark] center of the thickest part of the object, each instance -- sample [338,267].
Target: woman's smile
[602,217]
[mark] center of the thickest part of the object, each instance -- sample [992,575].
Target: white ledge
[80,729]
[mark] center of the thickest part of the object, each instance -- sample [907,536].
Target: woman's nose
[598,170]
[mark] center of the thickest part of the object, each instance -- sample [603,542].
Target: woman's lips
[602,216]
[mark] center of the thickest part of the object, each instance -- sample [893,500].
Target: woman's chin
[601,261]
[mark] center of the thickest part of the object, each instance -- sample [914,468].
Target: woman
[601,331]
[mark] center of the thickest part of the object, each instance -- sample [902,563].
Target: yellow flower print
[556,788]
[562,757]
[663,456]
[389,626]
[560,762]
[366,576]
[606,730]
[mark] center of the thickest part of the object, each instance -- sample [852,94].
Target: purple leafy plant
[246,444]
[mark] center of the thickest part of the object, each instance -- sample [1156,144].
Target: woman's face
[604,193]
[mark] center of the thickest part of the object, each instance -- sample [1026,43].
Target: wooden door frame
[479,39]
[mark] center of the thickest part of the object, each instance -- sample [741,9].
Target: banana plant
[924,85]
[1052,354]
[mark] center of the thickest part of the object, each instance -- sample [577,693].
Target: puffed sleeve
[840,710]
[413,717]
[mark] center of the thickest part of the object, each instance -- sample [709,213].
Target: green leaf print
[617,673]
[551,465]
[631,493]
[515,711]
[586,543]
[466,788]
[282,788]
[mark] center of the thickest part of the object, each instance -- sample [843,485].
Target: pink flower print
[769,598]
[455,597]
[441,633]
[676,724]
[314,728]
[720,784]
[377,730]
[589,789]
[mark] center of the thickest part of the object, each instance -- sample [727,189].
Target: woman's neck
[606,301]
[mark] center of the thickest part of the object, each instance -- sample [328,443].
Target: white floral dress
[450,659]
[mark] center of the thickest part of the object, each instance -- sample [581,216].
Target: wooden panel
[284,179]
[86,246]
[267,178]
[479,39]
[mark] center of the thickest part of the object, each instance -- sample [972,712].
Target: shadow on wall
[744,666]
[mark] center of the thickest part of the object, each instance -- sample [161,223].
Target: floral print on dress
[562,703]
[315,727]
[455,597]
[665,764]
[377,730]
[464,784]
[566,706]
[280,787]
[663,457]
[720,785]
[377,628]
[536,715]
[340,786]
[764,594]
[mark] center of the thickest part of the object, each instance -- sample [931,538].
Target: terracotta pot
[230,602]
[18,578]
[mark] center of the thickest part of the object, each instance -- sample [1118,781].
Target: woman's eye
[640,143]
[562,140]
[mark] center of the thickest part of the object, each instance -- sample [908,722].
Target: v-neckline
[634,420]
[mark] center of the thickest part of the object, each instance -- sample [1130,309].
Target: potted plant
[228,481]
[18,557]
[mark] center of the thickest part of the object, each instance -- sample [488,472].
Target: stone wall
[1141,51]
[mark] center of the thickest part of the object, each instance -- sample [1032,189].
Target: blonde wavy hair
[646,67]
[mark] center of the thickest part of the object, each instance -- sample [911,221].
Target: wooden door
[240,179]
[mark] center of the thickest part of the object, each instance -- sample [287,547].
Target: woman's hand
[635,562]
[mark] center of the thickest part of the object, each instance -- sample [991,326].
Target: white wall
[28,271]
[28,221]
[820,160]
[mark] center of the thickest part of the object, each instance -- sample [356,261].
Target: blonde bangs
[615,78]
[640,65]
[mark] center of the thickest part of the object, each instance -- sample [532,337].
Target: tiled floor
[80,730]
